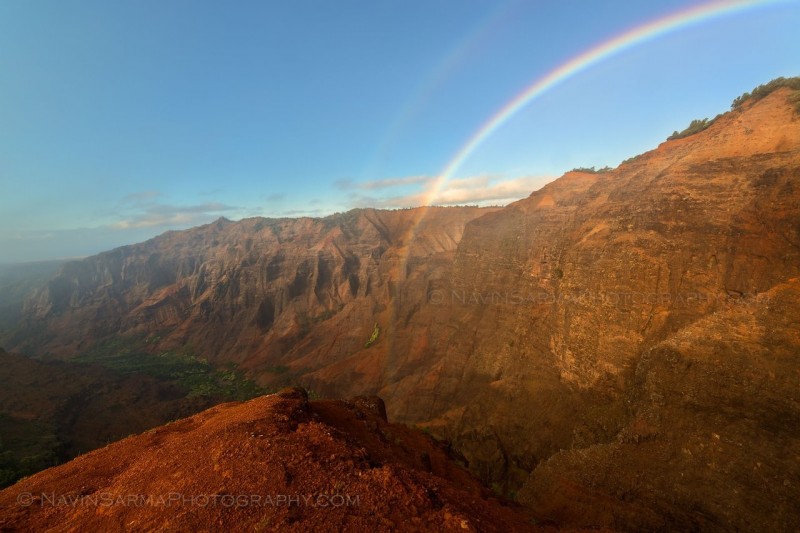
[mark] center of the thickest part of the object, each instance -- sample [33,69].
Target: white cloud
[386,183]
[155,215]
[471,190]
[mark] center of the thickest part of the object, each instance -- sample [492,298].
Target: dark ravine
[615,350]
[53,411]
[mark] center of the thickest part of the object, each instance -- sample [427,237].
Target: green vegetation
[592,170]
[26,447]
[195,375]
[631,159]
[695,126]
[376,331]
[698,125]
[763,90]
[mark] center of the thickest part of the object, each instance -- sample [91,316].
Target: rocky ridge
[277,462]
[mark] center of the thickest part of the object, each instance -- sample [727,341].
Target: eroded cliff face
[570,286]
[254,292]
[712,436]
[540,337]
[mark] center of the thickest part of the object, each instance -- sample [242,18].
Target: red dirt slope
[276,462]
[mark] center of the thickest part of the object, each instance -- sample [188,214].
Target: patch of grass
[376,331]
[195,375]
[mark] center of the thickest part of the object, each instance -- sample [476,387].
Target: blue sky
[121,120]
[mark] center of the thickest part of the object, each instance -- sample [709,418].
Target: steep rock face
[236,466]
[713,438]
[594,269]
[248,292]
[532,343]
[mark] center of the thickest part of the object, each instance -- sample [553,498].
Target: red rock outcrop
[276,463]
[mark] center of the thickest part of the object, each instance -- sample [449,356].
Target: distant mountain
[617,350]
[249,291]
[17,280]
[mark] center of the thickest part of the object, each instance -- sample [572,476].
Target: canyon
[620,349]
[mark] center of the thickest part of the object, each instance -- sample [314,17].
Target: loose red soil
[277,462]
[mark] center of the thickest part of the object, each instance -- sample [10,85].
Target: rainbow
[633,37]
[636,36]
